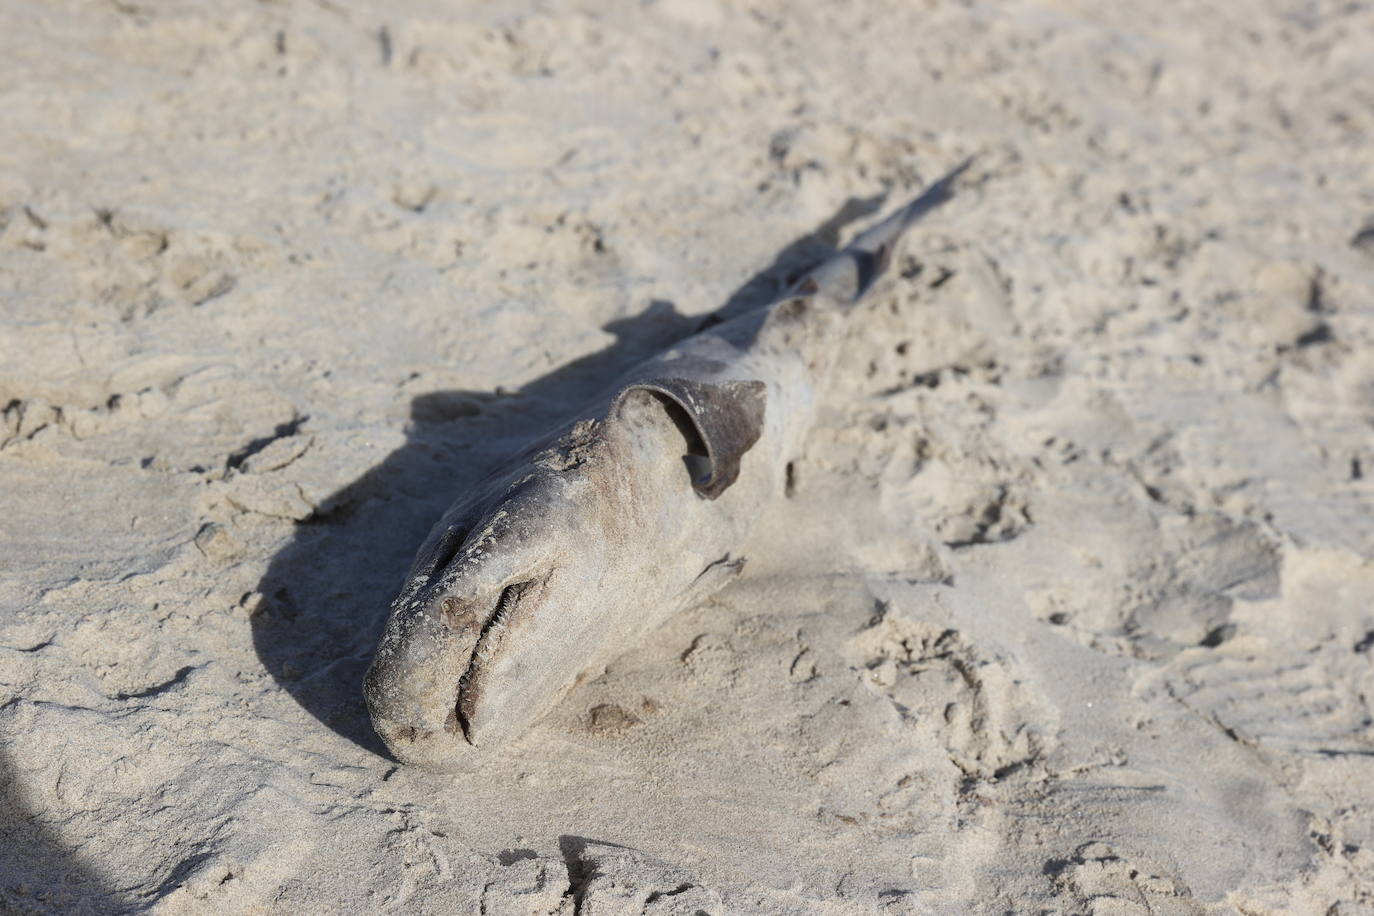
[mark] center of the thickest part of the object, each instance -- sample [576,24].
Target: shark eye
[457,614]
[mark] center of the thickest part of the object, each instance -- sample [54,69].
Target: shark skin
[599,532]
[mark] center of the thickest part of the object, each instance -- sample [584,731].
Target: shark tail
[852,271]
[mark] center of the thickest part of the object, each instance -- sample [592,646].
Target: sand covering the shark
[1071,608]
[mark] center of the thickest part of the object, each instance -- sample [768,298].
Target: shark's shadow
[326,593]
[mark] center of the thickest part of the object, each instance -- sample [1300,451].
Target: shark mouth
[488,641]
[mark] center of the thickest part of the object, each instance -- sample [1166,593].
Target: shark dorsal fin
[726,416]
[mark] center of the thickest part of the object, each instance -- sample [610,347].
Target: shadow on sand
[38,872]
[327,592]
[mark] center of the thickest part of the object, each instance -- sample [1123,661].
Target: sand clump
[1068,609]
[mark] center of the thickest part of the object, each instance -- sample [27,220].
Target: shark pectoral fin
[726,416]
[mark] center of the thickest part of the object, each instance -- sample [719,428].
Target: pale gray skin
[613,523]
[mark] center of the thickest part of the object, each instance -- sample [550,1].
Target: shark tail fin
[852,271]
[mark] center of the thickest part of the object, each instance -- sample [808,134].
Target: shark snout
[434,749]
[431,669]
[416,716]
[412,686]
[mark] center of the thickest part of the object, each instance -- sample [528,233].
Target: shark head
[510,598]
[487,628]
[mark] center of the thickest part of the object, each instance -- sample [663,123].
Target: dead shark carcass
[614,522]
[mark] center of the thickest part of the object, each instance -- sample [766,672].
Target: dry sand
[1072,609]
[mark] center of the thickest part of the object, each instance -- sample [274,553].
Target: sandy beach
[1069,610]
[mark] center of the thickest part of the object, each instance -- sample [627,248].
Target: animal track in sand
[604,877]
[948,692]
[129,264]
[958,477]
[159,413]
[1173,586]
[1315,701]
[1097,880]
[593,877]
